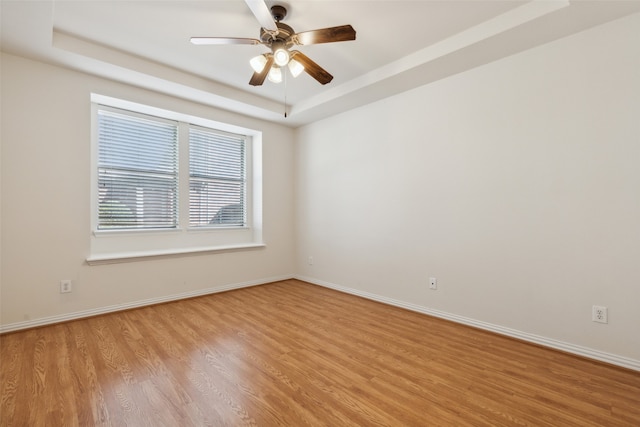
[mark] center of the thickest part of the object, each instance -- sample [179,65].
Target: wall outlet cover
[600,314]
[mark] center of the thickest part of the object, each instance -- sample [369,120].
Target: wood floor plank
[294,354]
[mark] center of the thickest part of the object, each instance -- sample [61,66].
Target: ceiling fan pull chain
[285,94]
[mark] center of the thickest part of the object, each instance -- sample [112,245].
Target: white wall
[516,184]
[46,197]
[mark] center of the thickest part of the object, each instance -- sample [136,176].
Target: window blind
[137,171]
[217,179]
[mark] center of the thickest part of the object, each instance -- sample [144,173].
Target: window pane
[137,172]
[216,178]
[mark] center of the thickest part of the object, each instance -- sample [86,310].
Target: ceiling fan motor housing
[283,34]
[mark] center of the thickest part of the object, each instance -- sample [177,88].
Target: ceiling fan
[280,38]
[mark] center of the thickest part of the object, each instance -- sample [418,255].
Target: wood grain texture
[295,354]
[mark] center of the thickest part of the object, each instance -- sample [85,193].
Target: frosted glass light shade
[275,74]
[295,67]
[281,57]
[258,63]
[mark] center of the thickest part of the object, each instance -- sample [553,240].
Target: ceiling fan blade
[222,40]
[258,78]
[262,13]
[311,68]
[342,33]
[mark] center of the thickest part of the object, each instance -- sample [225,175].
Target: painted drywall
[515,184]
[46,202]
[1,191]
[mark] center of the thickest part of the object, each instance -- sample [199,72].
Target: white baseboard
[11,327]
[536,339]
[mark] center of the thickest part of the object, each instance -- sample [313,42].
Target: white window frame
[112,246]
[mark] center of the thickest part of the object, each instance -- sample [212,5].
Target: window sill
[122,257]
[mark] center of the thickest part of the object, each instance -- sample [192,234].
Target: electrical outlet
[65,286]
[433,283]
[599,314]
[310,260]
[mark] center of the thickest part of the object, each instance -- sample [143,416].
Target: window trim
[121,257]
[108,246]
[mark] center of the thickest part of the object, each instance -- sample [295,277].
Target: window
[138,173]
[216,178]
[158,172]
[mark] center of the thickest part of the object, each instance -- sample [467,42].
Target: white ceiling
[399,44]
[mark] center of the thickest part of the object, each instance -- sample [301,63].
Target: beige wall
[46,199]
[516,185]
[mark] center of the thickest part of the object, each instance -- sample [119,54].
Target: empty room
[323,213]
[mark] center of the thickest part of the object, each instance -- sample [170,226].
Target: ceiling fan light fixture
[275,74]
[279,38]
[258,63]
[295,67]
[281,57]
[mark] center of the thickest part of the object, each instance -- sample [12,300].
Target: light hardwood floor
[295,354]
